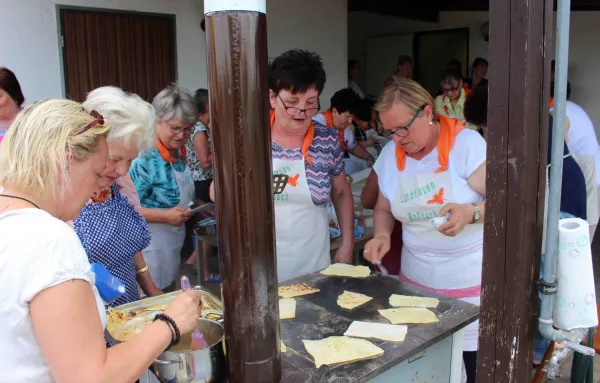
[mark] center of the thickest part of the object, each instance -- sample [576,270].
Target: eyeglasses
[451,89]
[403,130]
[178,129]
[293,111]
[99,120]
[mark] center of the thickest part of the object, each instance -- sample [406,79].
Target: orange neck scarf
[551,102]
[357,121]
[329,122]
[449,128]
[310,134]
[164,152]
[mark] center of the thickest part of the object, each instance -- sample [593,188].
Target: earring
[430,123]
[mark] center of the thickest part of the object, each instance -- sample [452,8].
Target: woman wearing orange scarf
[165,185]
[339,117]
[433,167]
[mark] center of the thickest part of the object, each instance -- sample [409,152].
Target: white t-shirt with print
[37,251]
[467,154]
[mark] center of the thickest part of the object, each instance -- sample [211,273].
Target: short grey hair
[175,102]
[130,118]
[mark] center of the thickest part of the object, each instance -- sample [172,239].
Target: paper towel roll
[575,302]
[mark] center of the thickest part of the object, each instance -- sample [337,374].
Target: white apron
[163,254]
[450,268]
[587,164]
[301,228]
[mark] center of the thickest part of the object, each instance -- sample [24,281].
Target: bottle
[109,287]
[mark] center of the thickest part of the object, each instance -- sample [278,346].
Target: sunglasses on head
[98,120]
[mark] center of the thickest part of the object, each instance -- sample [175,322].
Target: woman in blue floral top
[165,185]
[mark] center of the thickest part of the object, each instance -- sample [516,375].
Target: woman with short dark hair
[311,155]
[11,99]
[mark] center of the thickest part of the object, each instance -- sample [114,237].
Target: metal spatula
[198,341]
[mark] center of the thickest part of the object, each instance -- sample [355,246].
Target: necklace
[21,198]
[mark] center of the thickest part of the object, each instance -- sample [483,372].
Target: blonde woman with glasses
[51,316]
[434,166]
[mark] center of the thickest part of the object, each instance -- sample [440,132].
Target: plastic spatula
[198,341]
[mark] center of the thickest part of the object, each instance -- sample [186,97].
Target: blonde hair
[33,158]
[131,119]
[407,92]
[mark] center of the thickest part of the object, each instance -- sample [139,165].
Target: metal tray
[208,298]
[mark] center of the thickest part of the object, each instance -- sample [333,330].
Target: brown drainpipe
[236,42]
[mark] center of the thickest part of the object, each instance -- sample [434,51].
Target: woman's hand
[178,215]
[344,254]
[185,311]
[377,248]
[460,216]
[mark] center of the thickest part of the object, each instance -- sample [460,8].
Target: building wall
[584,58]
[30,38]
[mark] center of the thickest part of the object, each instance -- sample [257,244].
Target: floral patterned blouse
[198,173]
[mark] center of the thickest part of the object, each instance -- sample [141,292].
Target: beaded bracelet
[175,334]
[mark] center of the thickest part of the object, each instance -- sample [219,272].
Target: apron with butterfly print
[447,265]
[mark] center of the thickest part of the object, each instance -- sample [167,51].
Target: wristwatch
[476,213]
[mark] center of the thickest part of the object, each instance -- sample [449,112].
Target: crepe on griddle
[292,291]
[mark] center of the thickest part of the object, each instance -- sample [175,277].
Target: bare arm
[202,150]
[155,215]
[477,182]
[341,195]
[362,153]
[462,215]
[176,216]
[383,220]
[370,193]
[144,279]
[68,329]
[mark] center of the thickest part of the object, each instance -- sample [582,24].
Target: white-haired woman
[51,316]
[112,232]
[165,185]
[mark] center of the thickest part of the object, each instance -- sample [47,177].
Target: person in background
[478,72]
[110,229]
[11,99]
[364,115]
[165,185]
[476,109]
[310,154]
[200,160]
[52,317]
[451,102]
[354,77]
[581,139]
[404,69]
[433,167]
[339,116]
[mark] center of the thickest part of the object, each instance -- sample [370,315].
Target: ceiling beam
[428,10]
[382,7]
